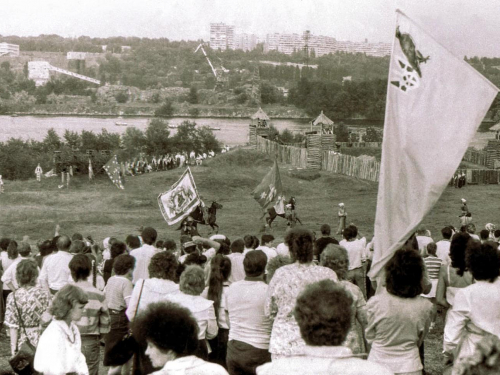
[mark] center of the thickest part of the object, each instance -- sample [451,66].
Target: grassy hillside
[100,209]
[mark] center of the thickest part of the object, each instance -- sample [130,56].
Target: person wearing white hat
[342,218]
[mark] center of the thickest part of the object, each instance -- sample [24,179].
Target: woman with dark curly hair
[323,314]
[399,319]
[336,258]
[476,312]
[59,348]
[171,334]
[455,276]
[285,286]
[160,287]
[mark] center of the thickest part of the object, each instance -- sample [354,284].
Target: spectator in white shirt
[423,239]
[236,257]
[250,329]
[144,254]
[443,246]
[9,276]
[55,270]
[251,243]
[356,248]
[267,241]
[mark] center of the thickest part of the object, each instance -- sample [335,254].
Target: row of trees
[19,158]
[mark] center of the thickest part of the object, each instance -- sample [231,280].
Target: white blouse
[59,350]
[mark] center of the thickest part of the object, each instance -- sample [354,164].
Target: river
[233,131]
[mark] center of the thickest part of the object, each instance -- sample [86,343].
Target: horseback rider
[189,228]
[204,210]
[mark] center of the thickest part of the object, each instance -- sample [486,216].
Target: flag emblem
[180,200]
[409,73]
[112,168]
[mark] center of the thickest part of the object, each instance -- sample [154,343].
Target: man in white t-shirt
[250,328]
[356,248]
[423,239]
[443,246]
[266,243]
[236,257]
[144,254]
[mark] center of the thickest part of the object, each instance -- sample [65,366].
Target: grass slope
[100,209]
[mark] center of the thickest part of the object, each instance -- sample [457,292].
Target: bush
[121,97]
[166,110]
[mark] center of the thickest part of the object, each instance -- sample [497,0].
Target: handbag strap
[21,323]
[139,300]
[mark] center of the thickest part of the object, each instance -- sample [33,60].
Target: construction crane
[218,73]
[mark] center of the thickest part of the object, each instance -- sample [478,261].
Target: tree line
[19,158]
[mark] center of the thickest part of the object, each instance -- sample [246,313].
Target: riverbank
[85,108]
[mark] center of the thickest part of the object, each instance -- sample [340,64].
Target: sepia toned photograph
[231,187]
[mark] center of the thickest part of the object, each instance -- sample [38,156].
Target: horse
[291,220]
[197,215]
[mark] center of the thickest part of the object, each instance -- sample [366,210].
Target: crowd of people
[250,305]
[143,164]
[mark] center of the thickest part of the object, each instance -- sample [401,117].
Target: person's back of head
[123,264]
[133,242]
[325,230]
[170,245]
[76,236]
[63,243]
[45,248]
[149,235]
[471,228]
[349,233]
[431,248]
[80,267]
[169,328]
[446,232]
[496,233]
[12,252]
[421,230]
[24,249]
[482,260]
[117,248]
[4,243]
[77,247]
[237,246]
[300,242]
[255,263]
[266,239]
[484,235]
[404,273]
[336,258]
[248,240]
[458,245]
[323,313]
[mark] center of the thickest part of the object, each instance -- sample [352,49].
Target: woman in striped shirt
[433,265]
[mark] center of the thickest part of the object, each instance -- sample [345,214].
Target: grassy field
[101,210]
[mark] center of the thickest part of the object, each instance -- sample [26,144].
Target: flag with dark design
[270,187]
[112,168]
[435,104]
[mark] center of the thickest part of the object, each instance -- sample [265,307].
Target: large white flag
[180,200]
[435,103]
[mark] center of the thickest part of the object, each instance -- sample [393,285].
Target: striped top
[433,264]
[95,318]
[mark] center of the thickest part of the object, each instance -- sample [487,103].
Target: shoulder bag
[22,361]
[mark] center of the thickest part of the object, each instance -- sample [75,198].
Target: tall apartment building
[218,37]
[223,37]
[9,49]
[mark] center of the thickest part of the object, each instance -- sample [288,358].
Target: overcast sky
[467,27]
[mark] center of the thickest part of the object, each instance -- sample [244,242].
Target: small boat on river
[118,123]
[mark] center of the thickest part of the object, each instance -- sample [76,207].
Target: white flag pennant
[435,103]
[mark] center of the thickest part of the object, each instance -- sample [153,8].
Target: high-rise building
[9,49]
[218,36]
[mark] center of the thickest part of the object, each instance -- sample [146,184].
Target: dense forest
[343,85]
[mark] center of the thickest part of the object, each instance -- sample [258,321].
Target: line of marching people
[144,164]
